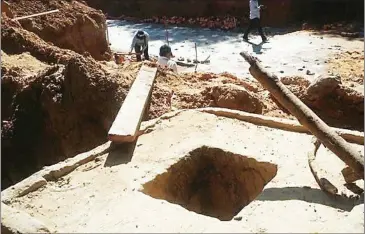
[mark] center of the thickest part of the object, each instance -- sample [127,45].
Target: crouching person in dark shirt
[140,45]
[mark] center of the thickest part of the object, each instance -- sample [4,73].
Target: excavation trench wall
[277,13]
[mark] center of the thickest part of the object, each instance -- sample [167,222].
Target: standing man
[255,21]
[140,44]
[164,61]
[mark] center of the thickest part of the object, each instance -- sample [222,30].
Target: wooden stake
[196,57]
[306,116]
[34,15]
[167,35]
[107,35]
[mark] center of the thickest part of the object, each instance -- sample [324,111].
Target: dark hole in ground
[212,182]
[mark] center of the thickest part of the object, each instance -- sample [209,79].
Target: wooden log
[323,183]
[354,188]
[127,122]
[34,15]
[196,57]
[279,123]
[167,35]
[306,116]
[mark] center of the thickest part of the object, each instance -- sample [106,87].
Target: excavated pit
[212,182]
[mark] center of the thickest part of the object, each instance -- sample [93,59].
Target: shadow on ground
[257,48]
[120,154]
[310,195]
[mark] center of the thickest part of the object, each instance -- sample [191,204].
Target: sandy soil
[24,63]
[106,195]
[349,66]
[76,26]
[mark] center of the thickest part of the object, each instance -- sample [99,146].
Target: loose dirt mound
[189,91]
[340,106]
[76,26]
[16,40]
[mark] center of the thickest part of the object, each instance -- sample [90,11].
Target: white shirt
[254,9]
[164,62]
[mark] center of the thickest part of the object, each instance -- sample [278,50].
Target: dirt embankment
[55,103]
[76,26]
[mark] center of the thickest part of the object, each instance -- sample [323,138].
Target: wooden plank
[34,15]
[129,117]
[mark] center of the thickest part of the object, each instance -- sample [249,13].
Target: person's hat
[164,50]
[140,34]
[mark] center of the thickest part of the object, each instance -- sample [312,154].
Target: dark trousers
[254,23]
[138,49]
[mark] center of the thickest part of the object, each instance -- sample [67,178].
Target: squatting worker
[140,44]
[164,60]
[255,21]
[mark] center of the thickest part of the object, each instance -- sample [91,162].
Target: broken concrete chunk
[323,85]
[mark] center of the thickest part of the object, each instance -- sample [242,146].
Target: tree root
[323,183]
